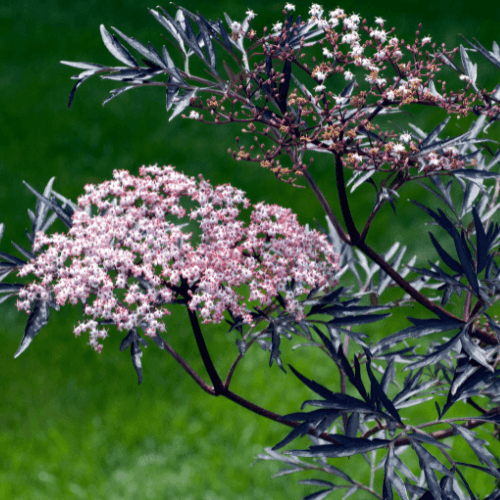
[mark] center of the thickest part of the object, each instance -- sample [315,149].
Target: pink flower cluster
[103,256]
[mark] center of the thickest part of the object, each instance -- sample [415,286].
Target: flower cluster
[127,261]
[353,49]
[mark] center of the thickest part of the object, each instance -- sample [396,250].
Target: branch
[188,368]
[344,203]
[205,356]
[326,207]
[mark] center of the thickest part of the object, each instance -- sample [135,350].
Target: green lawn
[75,424]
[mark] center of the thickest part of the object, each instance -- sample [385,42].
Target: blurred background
[75,424]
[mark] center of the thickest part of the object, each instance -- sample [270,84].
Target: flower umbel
[125,263]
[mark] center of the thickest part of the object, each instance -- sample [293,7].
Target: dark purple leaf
[10,287]
[299,431]
[38,318]
[347,447]
[381,396]
[116,48]
[149,54]
[447,258]
[209,46]
[474,351]
[474,174]
[342,362]
[116,92]
[11,258]
[482,242]
[319,495]
[134,340]
[478,447]
[360,319]
[465,258]
[423,328]
[435,356]
[181,103]
[188,37]
[391,479]
[23,251]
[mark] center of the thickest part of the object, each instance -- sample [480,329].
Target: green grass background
[74,424]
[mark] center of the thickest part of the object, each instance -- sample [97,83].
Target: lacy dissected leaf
[300,431]
[433,358]
[181,103]
[187,36]
[391,479]
[314,386]
[319,495]
[475,352]
[472,174]
[343,363]
[469,381]
[490,56]
[276,332]
[478,446]
[447,258]
[465,258]
[482,241]
[116,48]
[470,69]
[205,30]
[64,213]
[38,318]
[134,340]
[376,390]
[429,463]
[425,438]
[347,447]
[421,329]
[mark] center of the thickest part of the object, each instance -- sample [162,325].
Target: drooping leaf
[314,386]
[465,258]
[440,218]
[447,258]
[478,446]
[276,331]
[431,138]
[470,69]
[435,356]
[347,447]
[473,174]
[299,431]
[422,328]
[181,103]
[116,92]
[425,438]
[343,363]
[474,351]
[482,242]
[38,318]
[381,396]
[319,495]
[428,463]
[391,479]
[134,340]
[209,46]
